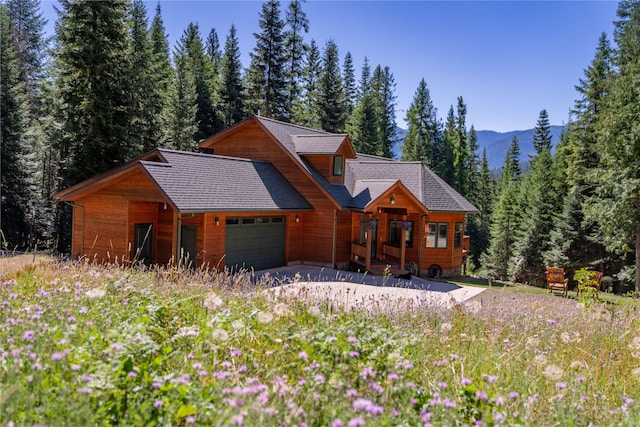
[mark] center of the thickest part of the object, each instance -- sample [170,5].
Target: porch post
[367,259]
[403,247]
[403,243]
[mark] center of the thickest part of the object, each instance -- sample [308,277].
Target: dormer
[326,153]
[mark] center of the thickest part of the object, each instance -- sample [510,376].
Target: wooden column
[367,262]
[403,246]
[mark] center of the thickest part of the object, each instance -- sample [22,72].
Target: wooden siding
[77,241]
[449,258]
[251,141]
[105,228]
[323,163]
[165,251]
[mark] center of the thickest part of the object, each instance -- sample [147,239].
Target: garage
[255,242]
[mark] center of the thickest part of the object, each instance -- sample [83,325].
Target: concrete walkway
[352,289]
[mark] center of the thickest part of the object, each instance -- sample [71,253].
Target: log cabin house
[265,194]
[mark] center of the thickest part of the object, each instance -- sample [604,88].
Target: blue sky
[507,59]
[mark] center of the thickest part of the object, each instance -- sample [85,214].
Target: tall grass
[88,345]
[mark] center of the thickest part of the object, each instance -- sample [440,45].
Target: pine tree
[445,167]
[383,90]
[231,87]
[362,126]
[616,203]
[349,83]
[148,100]
[538,211]
[17,212]
[331,95]
[297,24]
[424,131]
[28,40]
[472,164]
[460,146]
[575,242]
[162,75]
[479,225]
[93,62]
[183,104]
[542,133]
[212,47]
[266,76]
[498,259]
[190,44]
[514,158]
[26,28]
[306,110]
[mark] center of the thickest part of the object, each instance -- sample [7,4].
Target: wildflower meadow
[101,345]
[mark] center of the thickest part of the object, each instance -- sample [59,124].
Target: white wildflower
[264,317]
[636,373]
[553,372]
[540,360]
[281,309]
[220,335]
[237,324]
[446,327]
[187,331]
[565,337]
[212,301]
[95,293]
[314,311]
[532,342]
[635,344]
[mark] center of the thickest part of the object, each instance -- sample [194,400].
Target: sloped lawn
[88,345]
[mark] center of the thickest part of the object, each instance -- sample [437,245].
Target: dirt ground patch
[11,264]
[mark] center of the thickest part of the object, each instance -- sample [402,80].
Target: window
[338,162]
[457,237]
[437,235]
[396,229]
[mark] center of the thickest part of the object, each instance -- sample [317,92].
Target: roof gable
[193,182]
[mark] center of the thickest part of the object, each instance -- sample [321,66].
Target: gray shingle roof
[318,144]
[425,185]
[365,174]
[200,182]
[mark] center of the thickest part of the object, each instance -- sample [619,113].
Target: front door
[143,243]
[188,235]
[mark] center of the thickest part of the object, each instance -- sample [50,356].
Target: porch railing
[358,250]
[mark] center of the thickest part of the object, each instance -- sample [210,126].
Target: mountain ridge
[496,143]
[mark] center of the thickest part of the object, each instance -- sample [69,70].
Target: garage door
[255,242]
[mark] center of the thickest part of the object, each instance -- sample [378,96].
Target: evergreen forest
[107,87]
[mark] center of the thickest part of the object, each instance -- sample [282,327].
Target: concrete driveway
[350,289]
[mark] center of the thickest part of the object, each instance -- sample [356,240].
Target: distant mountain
[496,143]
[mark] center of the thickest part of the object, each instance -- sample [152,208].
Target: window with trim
[437,235]
[396,229]
[457,236]
[338,162]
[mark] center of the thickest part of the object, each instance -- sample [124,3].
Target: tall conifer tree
[616,204]
[231,87]
[163,75]
[424,131]
[383,90]
[349,83]
[17,186]
[331,94]
[297,24]
[267,82]
[306,109]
